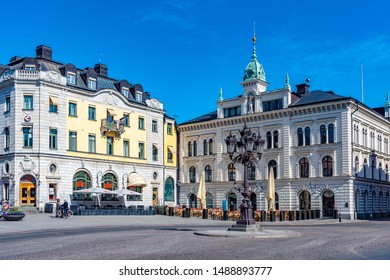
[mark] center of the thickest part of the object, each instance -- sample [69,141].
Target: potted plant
[13,215]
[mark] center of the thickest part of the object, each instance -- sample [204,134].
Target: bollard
[339,217]
[371,216]
[205,214]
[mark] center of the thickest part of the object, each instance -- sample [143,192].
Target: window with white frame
[92,83]
[138,96]
[71,78]
[7,108]
[28,102]
[125,92]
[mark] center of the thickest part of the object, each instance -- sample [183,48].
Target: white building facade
[328,152]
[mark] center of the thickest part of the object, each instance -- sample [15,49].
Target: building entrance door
[27,191]
[155,196]
[327,203]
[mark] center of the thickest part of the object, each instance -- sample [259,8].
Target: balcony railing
[112,126]
[27,74]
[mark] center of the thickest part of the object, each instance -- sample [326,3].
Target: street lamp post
[246,150]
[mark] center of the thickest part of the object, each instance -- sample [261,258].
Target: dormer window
[138,96]
[92,83]
[125,92]
[30,67]
[71,78]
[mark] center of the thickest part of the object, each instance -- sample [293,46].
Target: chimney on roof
[303,88]
[44,52]
[101,69]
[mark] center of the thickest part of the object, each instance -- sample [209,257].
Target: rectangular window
[138,96]
[53,104]
[91,113]
[125,92]
[53,138]
[30,67]
[72,140]
[232,112]
[125,120]
[27,137]
[169,129]
[141,150]
[154,126]
[110,145]
[72,109]
[91,143]
[52,191]
[28,102]
[7,137]
[7,104]
[141,123]
[126,148]
[92,84]
[71,78]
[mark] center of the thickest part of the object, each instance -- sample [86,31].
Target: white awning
[136,180]
[54,100]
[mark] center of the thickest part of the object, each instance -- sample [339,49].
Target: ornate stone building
[66,129]
[328,152]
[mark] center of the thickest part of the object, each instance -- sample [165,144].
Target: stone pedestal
[245,228]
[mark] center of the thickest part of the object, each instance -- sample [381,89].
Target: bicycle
[66,215]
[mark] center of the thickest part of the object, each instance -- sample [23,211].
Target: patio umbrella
[271,190]
[123,191]
[95,190]
[202,191]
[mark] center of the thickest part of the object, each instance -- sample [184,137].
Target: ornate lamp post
[248,149]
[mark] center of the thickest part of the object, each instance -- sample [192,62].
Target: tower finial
[254,55]
[287,85]
[220,98]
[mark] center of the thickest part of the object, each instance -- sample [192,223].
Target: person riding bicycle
[65,208]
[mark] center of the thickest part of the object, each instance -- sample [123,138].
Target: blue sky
[184,51]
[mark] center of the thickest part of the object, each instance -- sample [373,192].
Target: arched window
[155,153]
[190,149]
[269,140]
[365,200]
[205,146]
[380,171]
[195,148]
[380,201]
[109,182]
[251,171]
[387,173]
[373,195]
[273,164]
[327,166]
[81,181]
[211,147]
[304,168]
[276,139]
[373,166]
[232,201]
[209,200]
[323,134]
[192,200]
[307,135]
[253,199]
[208,173]
[304,200]
[356,166]
[192,174]
[300,136]
[231,172]
[169,189]
[331,133]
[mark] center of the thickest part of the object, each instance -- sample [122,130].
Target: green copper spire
[387,103]
[254,70]
[287,85]
[220,98]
